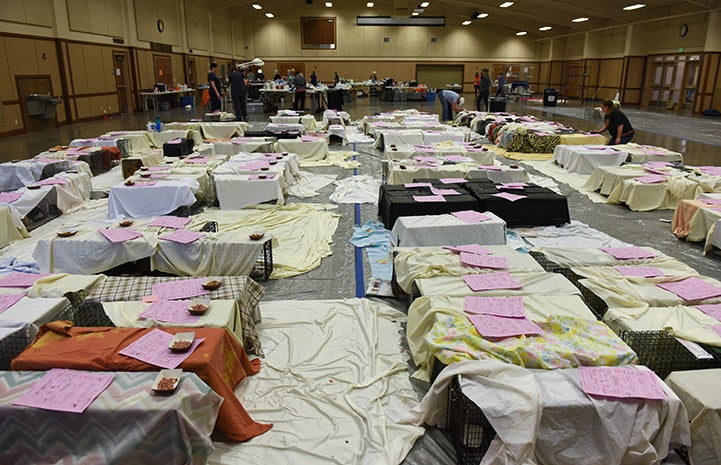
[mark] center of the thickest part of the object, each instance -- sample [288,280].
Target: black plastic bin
[497,105]
[335,99]
[550,97]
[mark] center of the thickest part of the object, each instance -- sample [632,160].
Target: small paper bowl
[145,175]
[67,233]
[279,157]
[167,381]
[256,236]
[211,284]
[273,162]
[143,168]
[181,342]
[513,166]
[199,306]
[33,186]
[129,183]
[125,223]
[284,153]
[262,176]
[169,162]
[402,167]
[264,168]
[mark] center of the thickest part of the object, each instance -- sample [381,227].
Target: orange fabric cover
[219,361]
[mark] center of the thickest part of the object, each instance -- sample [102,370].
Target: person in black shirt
[239,94]
[299,86]
[484,90]
[617,124]
[215,89]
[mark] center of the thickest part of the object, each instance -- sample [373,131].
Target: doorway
[40,84]
[163,70]
[191,77]
[120,63]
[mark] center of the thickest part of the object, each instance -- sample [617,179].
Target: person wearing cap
[450,102]
[484,90]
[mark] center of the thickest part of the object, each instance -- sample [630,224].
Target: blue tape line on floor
[359,278]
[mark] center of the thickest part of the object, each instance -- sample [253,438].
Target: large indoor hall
[403,233]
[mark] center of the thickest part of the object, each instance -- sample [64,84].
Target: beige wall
[197,26]
[147,14]
[35,12]
[96,17]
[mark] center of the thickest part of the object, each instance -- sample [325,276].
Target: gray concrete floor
[335,278]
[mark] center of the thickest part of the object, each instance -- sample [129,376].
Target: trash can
[497,105]
[335,99]
[188,100]
[430,96]
[550,97]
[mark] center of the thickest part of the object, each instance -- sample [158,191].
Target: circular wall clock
[161,25]
[683,30]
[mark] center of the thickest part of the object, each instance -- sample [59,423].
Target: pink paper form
[509,197]
[182,236]
[8,300]
[18,279]
[509,307]
[651,179]
[120,234]
[489,281]
[690,289]
[628,253]
[453,180]
[471,216]
[500,327]
[640,271]
[170,311]
[712,310]
[180,289]
[428,198]
[483,261]
[620,382]
[153,348]
[436,191]
[174,222]
[66,390]
[9,197]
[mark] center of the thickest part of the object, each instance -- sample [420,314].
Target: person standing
[313,78]
[215,89]
[299,85]
[239,94]
[336,78]
[450,102]
[476,84]
[617,124]
[484,90]
[501,89]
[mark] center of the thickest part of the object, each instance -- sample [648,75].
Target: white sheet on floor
[331,383]
[310,183]
[575,181]
[542,417]
[356,189]
[334,158]
[574,234]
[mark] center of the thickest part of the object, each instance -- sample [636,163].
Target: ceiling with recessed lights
[540,18]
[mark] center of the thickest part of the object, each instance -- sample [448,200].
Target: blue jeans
[624,139]
[446,108]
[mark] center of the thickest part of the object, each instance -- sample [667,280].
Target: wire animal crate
[470,431]
[87,313]
[13,344]
[264,263]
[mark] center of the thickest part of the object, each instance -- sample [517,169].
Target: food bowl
[283,154]
[67,232]
[264,168]
[198,306]
[167,381]
[514,166]
[256,236]
[144,168]
[145,175]
[402,167]
[262,176]
[33,186]
[181,342]
[273,162]
[129,183]
[125,223]
[211,284]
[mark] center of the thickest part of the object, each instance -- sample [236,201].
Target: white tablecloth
[236,191]
[37,311]
[307,151]
[418,231]
[159,199]
[223,130]
[582,159]
[244,144]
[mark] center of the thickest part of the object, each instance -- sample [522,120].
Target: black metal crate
[597,305]
[470,431]
[13,344]
[263,263]
[87,313]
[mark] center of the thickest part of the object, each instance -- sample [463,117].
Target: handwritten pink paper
[640,271]
[159,175]
[180,289]
[198,160]
[712,310]
[170,311]
[175,222]
[436,191]
[8,300]
[471,216]
[628,253]
[716,329]
[153,348]
[690,289]
[456,158]
[18,279]
[9,197]
[66,390]
[158,168]
[142,184]
[483,261]
[509,307]
[620,382]
[493,326]
[52,182]
[428,198]
[182,236]
[711,201]
[490,281]
[410,185]
[490,168]
[652,179]
[120,234]
[470,248]
[453,180]
[508,196]
[46,160]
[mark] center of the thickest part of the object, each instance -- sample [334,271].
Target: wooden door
[39,84]
[662,76]
[120,63]
[163,70]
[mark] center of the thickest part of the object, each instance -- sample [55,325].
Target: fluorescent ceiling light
[370,4]
[505,4]
[329,4]
[579,20]
[481,15]
[269,15]
[466,22]
[545,28]
[521,33]
[635,6]
[425,4]
[256,6]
